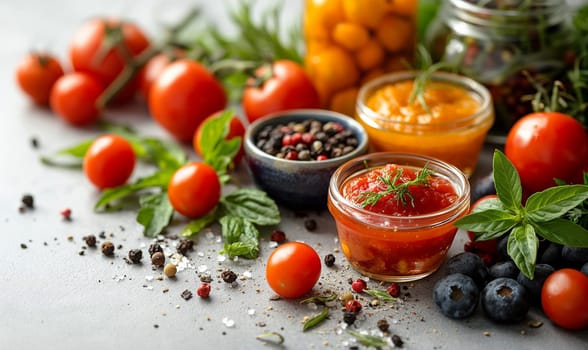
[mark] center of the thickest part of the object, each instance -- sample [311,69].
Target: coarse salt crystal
[251,312]
[209,235]
[247,274]
[202,268]
[149,287]
[218,239]
[221,258]
[200,254]
[228,322]
[149,278]
[273,244]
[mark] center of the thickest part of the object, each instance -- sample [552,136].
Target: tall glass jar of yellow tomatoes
[349,42]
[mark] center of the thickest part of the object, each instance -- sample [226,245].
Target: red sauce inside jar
[434,195]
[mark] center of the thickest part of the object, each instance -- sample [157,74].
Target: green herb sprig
[543,215]
[316,320]
[370,341]
[401,190]
[426,69]
[379,294]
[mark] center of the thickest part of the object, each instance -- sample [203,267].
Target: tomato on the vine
[293,269]
[183,95]
[236,129]
[547,145]
[287,87]
[564,298]
[94,50]
[194,189]
[36,73]
[153,68]
[109,162]
[74,96]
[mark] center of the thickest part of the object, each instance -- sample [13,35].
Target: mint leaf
[159,180]
[507,181]
[241,237]
[155,213]
[253,205]
[195,226]
[492,222]
[71,157]
[522,247]
[554,202]
[563,232]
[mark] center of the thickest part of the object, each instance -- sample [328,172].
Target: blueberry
[503,269]
[469,264]
[456,295]
[482,187]
[551,255]
[584,269]
[501,251]
[533,286]
[573,256]
[504,300]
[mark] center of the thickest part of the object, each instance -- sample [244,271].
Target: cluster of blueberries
[504,293]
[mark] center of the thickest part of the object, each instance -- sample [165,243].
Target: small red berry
[285,129]
[287,140]
[66,213]
[487,259]
[296,138]
[358,285]
[292,155]
[394,290]
[338,127]
[204,290]
[322,157]
[353,306]
[278,236]
[308,138]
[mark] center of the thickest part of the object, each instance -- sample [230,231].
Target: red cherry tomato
[564,298]
[153,68]
[183,95]
[288,87]
[292,269]
[236,129]
[87,50]
[194,189]
[490,246]
[74,96]
[109,162]
[36,73]
[544,146]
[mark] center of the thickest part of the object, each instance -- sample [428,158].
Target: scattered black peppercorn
[349,317]
[184,246]
[34,142]
[23,246]
[278,236]
[310,224]
[90,240]
[154,248]
[158,259]
[383,325]
[228,276]
[329,260]
[28,201]
[135,255]
[186,295]
[107,248]
[397,341]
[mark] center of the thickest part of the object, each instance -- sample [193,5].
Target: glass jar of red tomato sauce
[399,238]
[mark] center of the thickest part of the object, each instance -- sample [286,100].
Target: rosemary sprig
[426,69]
[394,186]
[319,299]
[380,294]
[371,341]
[315,320]
[271,337]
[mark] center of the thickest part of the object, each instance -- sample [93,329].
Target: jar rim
[485,110]
[440,168]
[543,7]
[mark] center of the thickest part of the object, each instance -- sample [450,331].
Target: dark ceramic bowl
[296,184]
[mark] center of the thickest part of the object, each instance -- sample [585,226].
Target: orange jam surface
[446,102]
[434,195]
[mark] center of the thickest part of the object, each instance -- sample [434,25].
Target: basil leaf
[554,202]
[165,155]
[242,249]
[214,132]
[490,221]
[253,205]
[507,181]
[563,232]
[160,180]
[522,247]
[71,157]
[492,203]
[241,237]
[155,213]
[195,226]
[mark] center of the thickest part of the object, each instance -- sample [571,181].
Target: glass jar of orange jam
[451,125]
[349,42]
[401,236]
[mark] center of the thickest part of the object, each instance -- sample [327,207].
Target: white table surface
[53,298]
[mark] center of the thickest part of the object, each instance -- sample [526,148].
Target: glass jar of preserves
[349,42]
[508,45]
